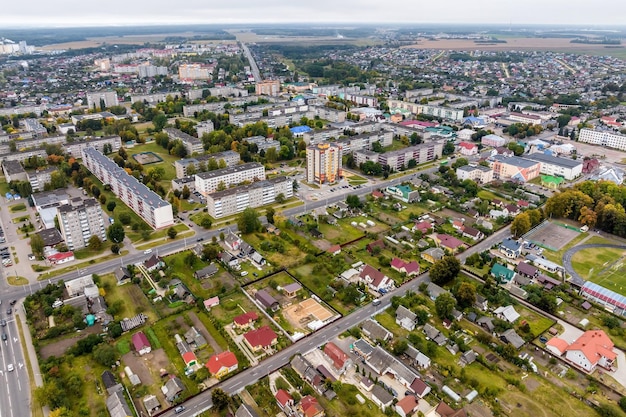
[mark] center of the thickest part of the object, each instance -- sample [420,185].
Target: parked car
[179,409]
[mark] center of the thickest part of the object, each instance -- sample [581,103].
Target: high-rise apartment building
[79,222]
[99,98]
[323,163]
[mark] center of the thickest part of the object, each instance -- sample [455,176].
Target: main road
[253,66]
[233,385]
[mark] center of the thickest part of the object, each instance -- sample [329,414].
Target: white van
[147,251]
[244,273]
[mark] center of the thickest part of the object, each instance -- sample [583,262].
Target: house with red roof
[592,349]
[377,195]
[457,225]
[309,407]
[375,279]
[262,338]
[468,148]
[245,320]
[190,359]
[449,242]
[423,227]
[222,364]
[341,361]
[334,250]
[420,388]
[376,244]
[408,268]
[141,343]
[61,257]
[406,406]
[284,399]
[472,233]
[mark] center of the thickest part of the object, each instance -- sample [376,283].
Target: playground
[147,158]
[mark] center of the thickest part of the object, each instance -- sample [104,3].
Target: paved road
[253,66]
[250,376]
[14,386]
[567,258]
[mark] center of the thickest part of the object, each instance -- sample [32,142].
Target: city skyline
[117,12]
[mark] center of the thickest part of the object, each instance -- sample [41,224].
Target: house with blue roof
[511,248]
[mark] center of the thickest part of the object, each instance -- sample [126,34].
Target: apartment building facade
[365,141]
[230,158]
[98,98]
[267,88]
[38,179]
[257,194]
[79,222]
[146,203]
[323,163]
[514,168]
[603,138]
[396,160]
[477,173]
[208,182]
[192,145]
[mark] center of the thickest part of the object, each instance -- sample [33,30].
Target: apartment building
[230,158]
[267,88]
[477,173]
[323,163]
[38,179]
[143,201]
[422,153]
[152,98]
[96,99]
[603,138]
[236,200]
[192,145]
[525,118]
[330,114]
[76,148]
[361,100]
[204,127]
[316,136]
[80,221]
[447,113]
[559,167]
[208,182]
[191,110]
[24,155]
[352,144]
[14,171]
[262,143]
[36,142]
[195,71]
[514,168]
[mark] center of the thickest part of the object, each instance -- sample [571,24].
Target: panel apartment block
[422,153]
[365,141]
[80,222]
[143,201]
[230,158]
[236,200]
[208,182]
[603,138]
[192,145]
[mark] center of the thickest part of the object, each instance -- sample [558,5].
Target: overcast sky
[124,12]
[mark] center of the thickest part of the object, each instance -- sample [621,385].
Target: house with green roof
[403,193]
[502,274]
[549,181]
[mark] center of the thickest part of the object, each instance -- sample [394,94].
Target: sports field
[552,235]
[604,266]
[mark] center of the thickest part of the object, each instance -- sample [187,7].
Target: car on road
[3,323]
[10,367]
[200,239]
[4,336]
[13,302]
[179,409]
[9,311]
[147,251]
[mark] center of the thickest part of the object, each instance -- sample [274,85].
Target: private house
[362,349]
[309,407]
[481,303]
[420,388]
[433,290]
[141,343]
[284,399]
[513,210]
[222,364]
[444,410]
[468,149]
[592,349]
[257,258]
[472,233]
[527,270]
[381,397]
[468,357]
[449,242]
[262,338]
[172,388]
[206,272]
[232,241]
[507,313]
[376,244]
[110,383]
[194,338]
[153,263]
[406,318]
[334,250]
[151,404]
[406,406]
[502,274]
[432,255]
[374,331]
[117,405]
[190,359]
[486,323]
[245,320]
[291,290]
[122,275]
[266,300]
[418,359]
[409,268]
[211,302]
[341,361]
[375,279]
[511,248]
[423,227]
[511,337]
[435,335]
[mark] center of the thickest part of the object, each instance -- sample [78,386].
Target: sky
[78,13]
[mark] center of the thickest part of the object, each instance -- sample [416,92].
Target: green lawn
[341,233]
[181,270]
[158,236]
[167,164]
[232,305]
[605,266]
[132,300]
[17,207]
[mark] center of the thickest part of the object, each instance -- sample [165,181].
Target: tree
[622,403]
[521,225]
[116,233]
[111,206]
[115,249]
[171,233]
[444,304]
[186,192]
[159,121]
[124,218]
[220,399]
[353,201]
[448,148]
[37,245]
[280,198]
[210,252]
[105,354]
[206,222]
[400,347]
[466,294]
[248,221]
[444,270]
[269,215]
[95,243]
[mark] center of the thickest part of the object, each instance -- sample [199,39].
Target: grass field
[133,300]
[604,266]
[557,256]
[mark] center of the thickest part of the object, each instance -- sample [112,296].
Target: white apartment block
[78,223]
[422,153]
[152,99]
[192,145]
[330,114]
[365,141]
[192,109]
[323,163]
[603,138]
[361,100]
[208,182]
[143,201]
[95,99]
[316,136]
[204,127]
[267,88]
[477,173]
[195,72]
[38,179]
[435,111]
[76,148]
[230,158]
[257,194]
[559,167]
